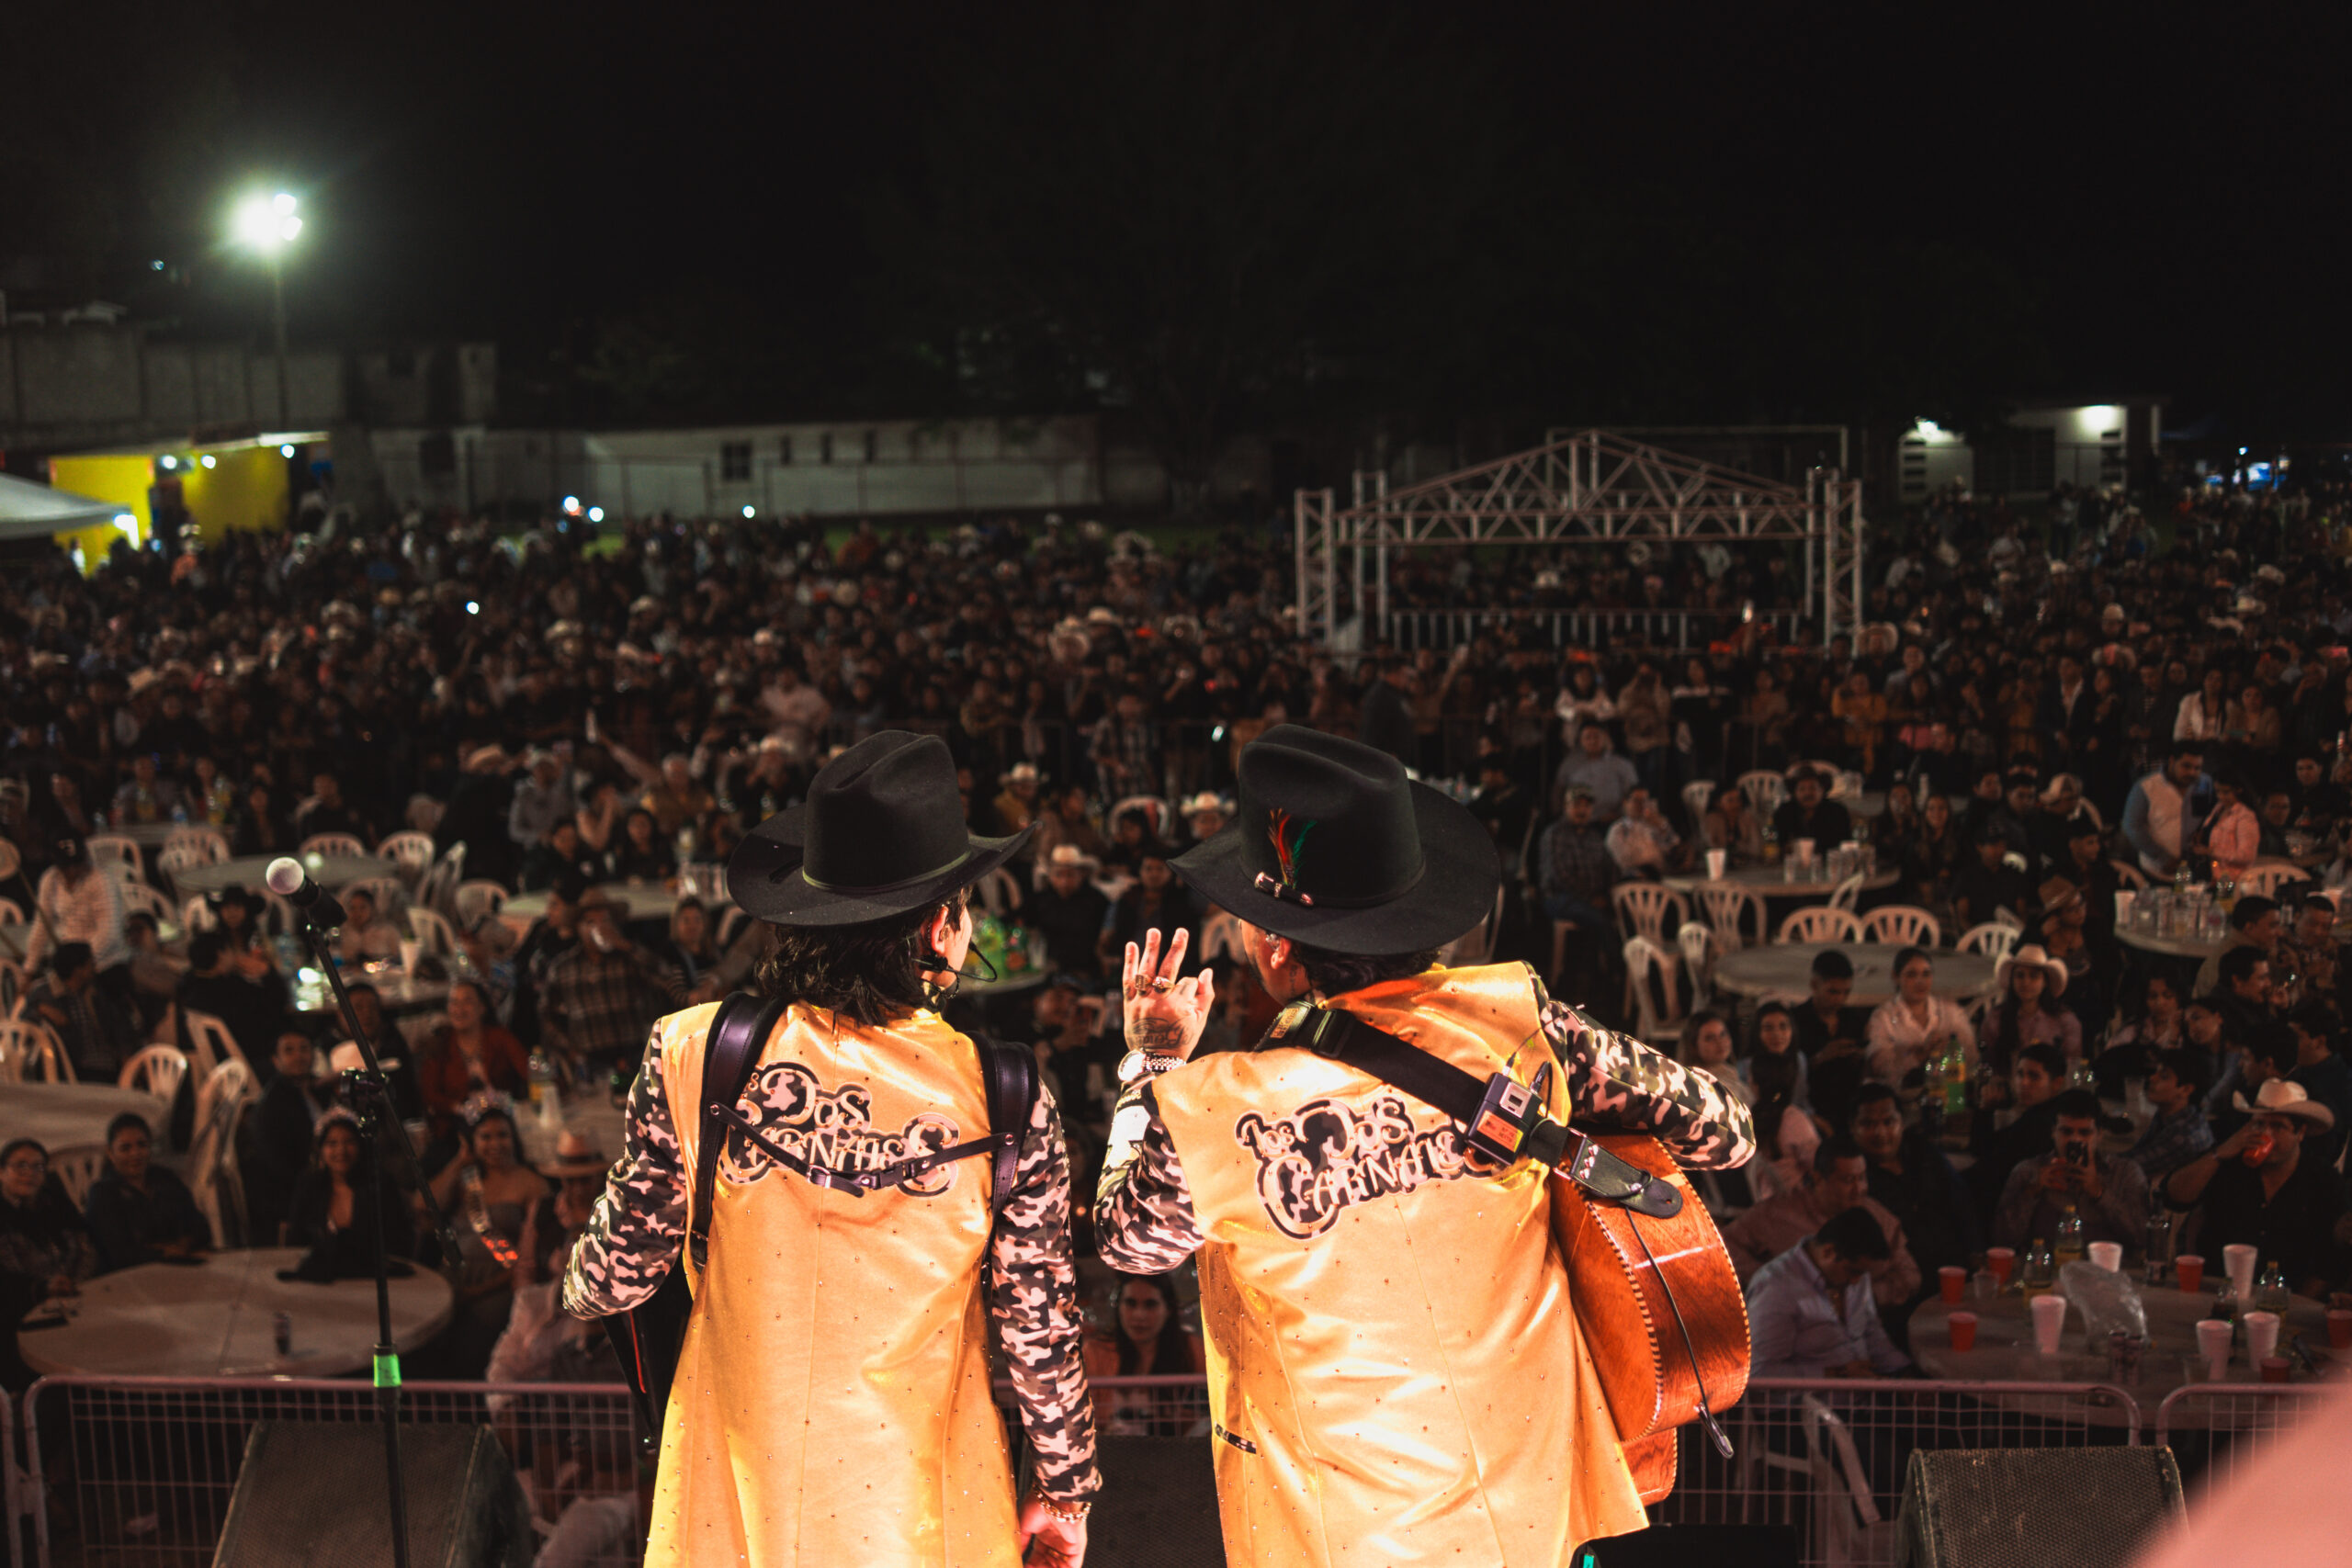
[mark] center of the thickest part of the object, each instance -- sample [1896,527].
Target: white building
[2041,445]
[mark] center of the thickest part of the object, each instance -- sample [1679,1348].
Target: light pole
[266,225]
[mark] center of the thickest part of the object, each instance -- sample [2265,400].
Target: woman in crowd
[1915,1024]
[598,818]
[329,1215]
[262,827]
[1899,827]
[2029,1013]
[1147,1339]
[1786,1134]
[2232,833]
[1730,825]
[1157,902]
[642,854]
[140,1213]
[2204,714]
[1933,855]
[1702,706]
[470,1053]
[1775,1035]
[1706,1044]
[45,1250]
[2155,1025]
[487,1191]
[692,945]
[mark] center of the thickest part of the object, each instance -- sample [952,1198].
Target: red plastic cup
[2274,1369]
[2339,1328]
[1963,1330]
[1953,1281]
[2000,1259]
[2188,1268]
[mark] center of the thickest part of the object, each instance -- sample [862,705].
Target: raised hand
[1164,1015]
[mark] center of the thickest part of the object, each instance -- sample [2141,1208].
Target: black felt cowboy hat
[881,833]
[1333,845]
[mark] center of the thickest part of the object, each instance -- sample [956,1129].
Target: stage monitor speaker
[314,1495]
[1694,1546]
[1158,1505]
[2034,1507]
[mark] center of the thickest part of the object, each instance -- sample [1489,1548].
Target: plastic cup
[2188,1268]
[2238,1260]
[2274,1369]
[410,950]
[1953,1281]
[2339,1329]
[1718,860]
[1804,848]
[2261,1334]
[2049,1322]
[2001,1261]
[2213,1346]
[1963,1330]
[2107,1254]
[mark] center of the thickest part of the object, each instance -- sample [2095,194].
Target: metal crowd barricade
[1826,1457]
[137,1473]
[2223,1425]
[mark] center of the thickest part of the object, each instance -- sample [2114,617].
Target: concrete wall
[876,467]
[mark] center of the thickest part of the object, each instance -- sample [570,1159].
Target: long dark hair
[871,973]
[1774,1076]
[1170,1355]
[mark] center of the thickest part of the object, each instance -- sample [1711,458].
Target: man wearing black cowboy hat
[1395,1372]
[839,1337]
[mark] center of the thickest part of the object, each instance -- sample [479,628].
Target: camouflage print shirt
[638,1228]
[1144,1221]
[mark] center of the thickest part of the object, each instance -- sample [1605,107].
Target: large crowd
[2052,708]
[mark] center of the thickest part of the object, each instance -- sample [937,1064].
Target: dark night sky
[1737,212]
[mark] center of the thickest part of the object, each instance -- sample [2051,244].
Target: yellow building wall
[121,478]
[247,487]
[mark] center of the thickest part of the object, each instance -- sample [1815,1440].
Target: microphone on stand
[287,878]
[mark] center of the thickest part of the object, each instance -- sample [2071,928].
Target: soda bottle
[2039,1276]
[2271,1292]
[1955,1078]
[2070,1237]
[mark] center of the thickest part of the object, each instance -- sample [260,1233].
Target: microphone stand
[371,1094]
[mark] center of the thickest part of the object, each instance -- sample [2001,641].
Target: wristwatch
[1137,1065]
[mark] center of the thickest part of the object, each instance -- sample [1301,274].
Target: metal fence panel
[2217,1428]
[138,1472]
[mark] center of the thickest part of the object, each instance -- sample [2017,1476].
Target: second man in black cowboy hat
[1395,1375]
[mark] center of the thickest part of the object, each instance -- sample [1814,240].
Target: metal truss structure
[1592,487]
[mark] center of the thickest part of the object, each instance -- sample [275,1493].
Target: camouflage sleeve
[639,1222]
[1616,1078]
[1143,1208]
[1033,1299]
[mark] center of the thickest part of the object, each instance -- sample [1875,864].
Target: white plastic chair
[2009,917]
[35,1053]
[106,849]
[475,900]
[11,912]
[1473,947]
[2130,875]
[413,853]
[1992,939]
[1696,941]
[1695,797]
[432,931]
[209,1045]
[999,896]
[1822,925]
[2088,809]
[1151,806]
[2264,878]
[197,915]
[77,1167]
[1847,893]
[732,919]
[157,1069]
[12,987]
[229,1080]
[177,858]
[207,842]
[140,899]
[1739,914]
[438,888]
[1903,925]
[337,844]
[389,893]
[1650,910]
[1765,789]
[213,1180]
[1657,1001]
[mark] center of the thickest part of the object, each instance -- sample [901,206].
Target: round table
[216,1319]
[634,900]
[2005,1350]
[395,987]
[73,1115]
[1768,880]
[334,872]
[1785,970]
[146,835]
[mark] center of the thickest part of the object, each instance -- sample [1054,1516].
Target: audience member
[1912,1180]
[2178,1133]
[2109,1196]
[2257,1188]
[1811,1311]
[1839,1180]
[140,1213]
[1915,1024]
[1147,1339]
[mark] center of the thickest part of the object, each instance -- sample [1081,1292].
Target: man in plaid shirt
[1126,751]
[2178,1132]
[1573,865]
[603,996]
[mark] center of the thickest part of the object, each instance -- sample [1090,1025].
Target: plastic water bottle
[543,1093]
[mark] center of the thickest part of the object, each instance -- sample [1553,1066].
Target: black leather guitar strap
[737,1034]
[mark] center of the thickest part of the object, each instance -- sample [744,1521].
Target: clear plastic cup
[2049,1322]
[2188,1270]
[2107,1254]
[2261,1334]
[1953,1280]
[1963,1330]
[2213,1347]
